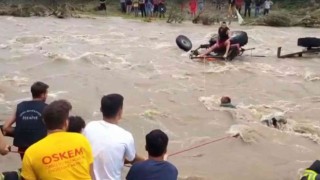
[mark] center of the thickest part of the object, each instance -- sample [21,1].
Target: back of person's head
[39,89]
[111,105]
[225,100]
[156,143]
[76,124]
[223,24]
[56,114]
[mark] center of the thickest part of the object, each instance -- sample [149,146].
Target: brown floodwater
[84,59]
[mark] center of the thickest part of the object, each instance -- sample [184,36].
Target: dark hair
[223,22]
[56,113]
[111,104]
[225,99]
[156,143]
[76,124]
[38,88]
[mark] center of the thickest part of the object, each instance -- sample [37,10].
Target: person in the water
[226,102]
[222,42]
[275,120]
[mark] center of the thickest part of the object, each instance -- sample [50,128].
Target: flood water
[84,59]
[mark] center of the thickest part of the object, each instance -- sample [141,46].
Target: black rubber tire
[309,42]
[233,52]
[237,37]
[9,135]
[184,43]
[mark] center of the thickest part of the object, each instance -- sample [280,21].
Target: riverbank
[308,16]
[83,59]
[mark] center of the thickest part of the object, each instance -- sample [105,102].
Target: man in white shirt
[267,6]
[112,146]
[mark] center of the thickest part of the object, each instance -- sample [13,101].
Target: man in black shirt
[247,8]
[28,118]
[232,8]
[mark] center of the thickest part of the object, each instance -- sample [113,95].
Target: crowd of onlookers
[157,8]
[154,8]
[54,145]
[257,5]
[147,8]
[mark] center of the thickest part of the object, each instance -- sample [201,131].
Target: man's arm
[130,155]
[93,177]
[229,34]
[4,148]
[137,158]
[7,127]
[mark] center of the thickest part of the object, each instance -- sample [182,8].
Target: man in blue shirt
[155,168]
[28,118]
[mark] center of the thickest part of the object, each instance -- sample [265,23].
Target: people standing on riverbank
[155,167]
[102,5]
[162,9]
[111,144]
[239,4]
[258,4]
[129,6]
[60,155]
[193,8]
[200,5]
[247,8]
[28,118]
[231,8]
[155,8]
[149,8]
[142,7]
[267,7]
[123,6]
[136,7]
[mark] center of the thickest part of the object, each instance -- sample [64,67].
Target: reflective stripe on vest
[310,174]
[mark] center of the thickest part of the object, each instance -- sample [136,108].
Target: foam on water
[56,94]
[15,80]
[145,64]
[311,76]
[248,134]
[213,68]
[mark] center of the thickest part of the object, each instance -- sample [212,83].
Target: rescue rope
[197,146]
[200,145]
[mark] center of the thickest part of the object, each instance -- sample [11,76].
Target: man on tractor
[222,42]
